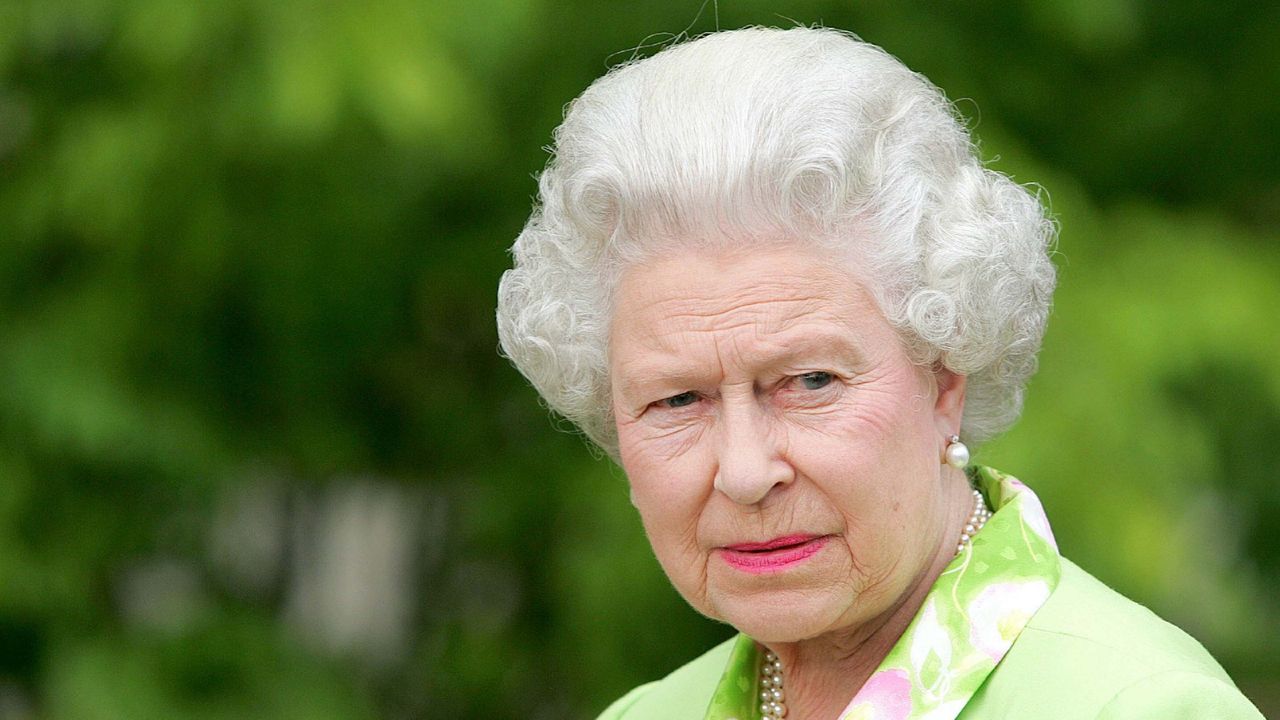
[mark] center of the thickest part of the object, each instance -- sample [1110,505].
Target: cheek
[669,490]
[670,495]
[871,458]
[878,422]
[889,421]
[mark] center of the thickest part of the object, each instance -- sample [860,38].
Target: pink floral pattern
[1033,515]
[886,696]
[999,613]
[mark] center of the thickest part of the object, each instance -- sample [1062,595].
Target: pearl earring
[957,453]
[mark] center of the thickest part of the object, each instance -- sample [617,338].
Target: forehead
[763,301]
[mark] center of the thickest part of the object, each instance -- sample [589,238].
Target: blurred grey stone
[162,594]
[353,587]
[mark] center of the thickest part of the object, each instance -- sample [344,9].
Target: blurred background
[259,457]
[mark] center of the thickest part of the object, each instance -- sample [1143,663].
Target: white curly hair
[808,135]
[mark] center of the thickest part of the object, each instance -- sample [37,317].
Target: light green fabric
[1086,652]
[1091,653]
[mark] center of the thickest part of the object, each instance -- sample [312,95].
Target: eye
[685,398]
[816,380]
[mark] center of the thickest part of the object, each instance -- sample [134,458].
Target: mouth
[777,543]
[773,555]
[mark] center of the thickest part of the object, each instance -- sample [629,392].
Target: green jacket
[1085,651]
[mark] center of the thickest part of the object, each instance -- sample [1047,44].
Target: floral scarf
[967,623]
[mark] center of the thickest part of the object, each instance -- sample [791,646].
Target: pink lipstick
[759,558]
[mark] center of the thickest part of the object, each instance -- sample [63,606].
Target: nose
[751,461]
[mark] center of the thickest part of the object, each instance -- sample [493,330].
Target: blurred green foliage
[250,245]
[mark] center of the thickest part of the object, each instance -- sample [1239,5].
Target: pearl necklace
[977,519]
[771,696]
[772,699]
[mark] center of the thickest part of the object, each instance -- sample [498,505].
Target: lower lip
[770,561]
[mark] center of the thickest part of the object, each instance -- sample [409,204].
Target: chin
[781,617]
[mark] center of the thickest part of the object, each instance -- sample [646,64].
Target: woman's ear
[948,409]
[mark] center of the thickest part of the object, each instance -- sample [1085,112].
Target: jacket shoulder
[1090,652]
[1180,695]
[1089,618]
[685,693]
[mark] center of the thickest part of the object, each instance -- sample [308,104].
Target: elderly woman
[769,276]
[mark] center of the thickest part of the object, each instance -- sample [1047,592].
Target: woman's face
[783,451]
